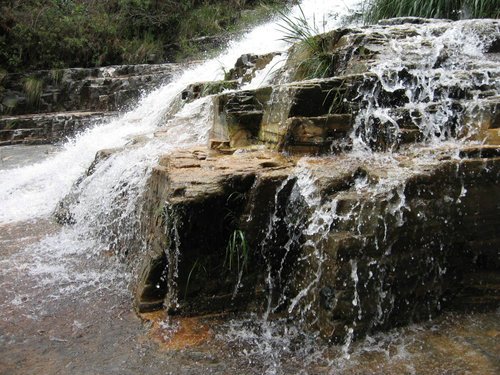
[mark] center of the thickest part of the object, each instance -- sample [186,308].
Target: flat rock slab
[45,128]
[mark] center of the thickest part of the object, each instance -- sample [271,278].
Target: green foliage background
[48,34]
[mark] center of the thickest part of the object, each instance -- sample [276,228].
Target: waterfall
[33,191]
[107,208]
[358,217]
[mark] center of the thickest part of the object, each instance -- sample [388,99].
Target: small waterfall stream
[33,191]
[104,200]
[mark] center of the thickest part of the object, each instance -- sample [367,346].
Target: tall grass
[451,9]
[316,62]
[33,88]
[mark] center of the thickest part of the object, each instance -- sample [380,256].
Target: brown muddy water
[64,310]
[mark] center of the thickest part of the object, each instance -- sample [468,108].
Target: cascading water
[438,83]
[105,205]
[433,81]
[33,191]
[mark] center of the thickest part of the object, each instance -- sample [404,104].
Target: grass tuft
[237,252]
[56,75]
[316,61]
[450,9]
[33,88]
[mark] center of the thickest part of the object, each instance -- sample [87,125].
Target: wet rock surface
[392,230]
[48,128]
[46,107]
[92,89]
[97,331]
[386,103]
[403,241]
[246,257]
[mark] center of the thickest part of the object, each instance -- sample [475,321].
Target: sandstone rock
[203,203]
[347,243]
[247,65]
[47,128]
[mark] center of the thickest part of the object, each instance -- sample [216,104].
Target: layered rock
[205,209]
[77,89]
[390,218]
[48,127]
[365,250]
[401,237]
[424,92]
[49,106]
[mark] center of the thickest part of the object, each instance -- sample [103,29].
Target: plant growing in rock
[452,9]
[197,267]
[33,88]
[237,252]
[315,61]
[56,75]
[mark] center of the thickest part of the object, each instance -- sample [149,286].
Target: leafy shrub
[47,34]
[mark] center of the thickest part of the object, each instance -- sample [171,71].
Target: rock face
[213,195]
[424,92]
[46,128]
[391,216]
[47,106]
[352,253]
[75,89]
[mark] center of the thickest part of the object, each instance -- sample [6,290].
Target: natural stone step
[95,89]
[46,127]
[317,135]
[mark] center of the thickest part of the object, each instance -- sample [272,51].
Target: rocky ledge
[361,200]
[367,245]
[48,106]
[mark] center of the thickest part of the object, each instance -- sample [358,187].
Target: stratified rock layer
[49,106]
[390,217]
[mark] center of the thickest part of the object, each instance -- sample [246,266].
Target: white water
[33,191]
[106,213]
[106,210]
[447,60]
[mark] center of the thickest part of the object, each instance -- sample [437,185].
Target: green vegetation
[3,73]
[452,9]
[52,34]
[311,52]
[236,252]
[33,88]
[56,75]
[311,56]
